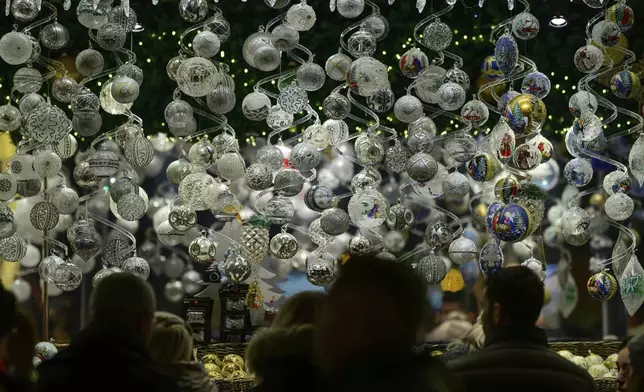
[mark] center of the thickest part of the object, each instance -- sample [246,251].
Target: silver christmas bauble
[451,96]
[337,66]
[293,98]
[462,250]
[89,62]
[362,44]
[369,149]
[305,157]
[137,266]
[458,76]
[236,267]
[25,10]
[438,235]
[334,221]
[400,217]
[320,268]
[396,158]
[182,218]
[271,156]
[421,167]
[350,8]
[360,245]
[173,66]
[319,198]
[317,235]
[54,36]
[279,119]
[178,113]
[289,181]
[336,106]
[124,89]
[10,118]
[111,36]
[7,222]
[15,48]
[310,76]
[125,18]
[197,76]
[279,210]
[377,25]
[575,226]
[193,11]
[47,163]
[419,140]
[64,88]
[382,100]
[284,37]
[338,131]
[259,177]
[408,108]
[206,44]
[222,100]
[231,166]
[256,106]
[47,267]
[87,123]
[68,276]
[437,36]
[283,246]
[432,269]
[202,250]
[27,80]
[455,186]
[619,206]
[301,17]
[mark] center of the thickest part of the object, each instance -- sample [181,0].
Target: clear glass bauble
[366,179]
[544,146]
[429,82]
[90,16]
[10,118]
[226,207]
[124,89]
[167,235]
[27,80]
[137,266]
[408,108]
[36,50]
[310,76]
[15,48]
[369,149]
[125,18]
[317,235]
[619,206]
[173,66]
[87,123]
[338,131]
[458,76]
[108,103]
[301,17]
[256,106]
[362,44]
[48,266]
[413,62]
[178,113]
[202,153]
[366,76]
[606,33]
[537,84]
[225,142]
[259,176]
[319,198]
[198,191]
[451,96]
[318,135]
[111,36]
[197,76]
[588,59]
[292,98]
[283,246]
[184,130]
[89,62]
[206,44]
[421,167]
[84,176]
[382,101]
[202,250]
[29,102]
[284,37]
[377,25]
[82,101]
[278,118]
[475,112]
[432,269]
[336,106]
[320,268]
[396,158]
[131,71]
[581,102]
[279,210]
[24,11]
[103,162]
[368,209]
[231,166]
[47,124]
[54,36]
[350,8]
[305,157]
[68,276]
[64,88]
[575,226]
[525,26]
[222,100]
[438,235]
[337,66]
[270,156]
[47,163]
[578,172]
[437,36]
[193,11]
[617,181]
[289,181]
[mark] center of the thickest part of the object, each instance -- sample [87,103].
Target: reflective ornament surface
[334,221]
[625,84]
[475,112]
[455,186]
[360,245]
[438,235]
[193,10]
[421,167]
[15,48]
[336,106]
[317,235]
[400,217]
[368,209]
[619,206]
[279,119]
[617,181]
[318,198]
[578,172]
[575,226]
[396,158]
[462,250]
[310,76]
[318,135]
[301,17]
[197,76]
[283,246]
[206,44]
[320,268]
[289,181]
[602,286]
[362,44]
[202,249]
[68,276]
[382,100]
[10,118]
[48,266]
[279,210]
[305,157]
[408,108]
[54,36]
[259,176]
[432,269]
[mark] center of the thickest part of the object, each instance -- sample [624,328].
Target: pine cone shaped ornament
[254,239]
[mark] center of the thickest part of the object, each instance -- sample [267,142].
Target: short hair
[121,298]
[8,310]
[374,305]
[519,292]
[301,309]
[171,339]
[636,353]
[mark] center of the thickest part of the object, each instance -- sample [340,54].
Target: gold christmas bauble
[229,368]
[211,358]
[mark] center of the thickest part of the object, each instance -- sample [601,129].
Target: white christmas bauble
[318,135]
[108,103]
[619,206]
[301,17]
[451,96]
[284,37]
[310,76]
[15,48]
[408,108]
[336,66]
[256,106]
[206,44]
[27,80]
[462,250]
[338,131]
[197,76]
[124,89]
[350,8]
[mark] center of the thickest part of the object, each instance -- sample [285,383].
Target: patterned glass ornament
[86,245]
[602,286]
[382,101]
[137,266]
[334,221]
[432,269]
[289,181]
[368,209]
[91,16]
[422,167]
[625,84]
[462,250]
[278,118]
[7,222]
[394,241]
[47,125]
[132,71]
[582,101]
[102,274]
[84,175]
[305,157]
[506,53]
[366,179]
[104,163]
[111,36]
[27,80]
[438,235]
[575,226]
[544,146]
[491,258]
[47,163]
[10,118]
[124,89]
[173,66]
[84,101]
[631,285]
[481,168]
[236,268]
[366,76]
[396,158]
[124,17]
[292,98]
[319,198]
[621,14]
[197,76]
[178,113]
[108,103]
[475,112]
[254,239]
[48,266]
[320,268]
[89,62]
[284,37]
[24,10]
[437,36]
[360,245]
[206,44]
[256,106]
[193,11]
[222,100]
[279,210]
[336,106]
[224,142]
[350,8]
[259,177]
[458,76]
[231,166]
[182,218]
[44,216]
[8,186]
[301,17]
[198,191]
[139,152]
[362,44]
[270,156]
[283,246]
[461,148]
[408,108]
[525,26]
[310,76]
[131,207]
[369,149]
[317,235]
[400,217]
[413,62]
[606,33]
[54,36]
[617,181]
[578,172]
[525,113]
[64,88]
[451,96]
[15,48]
[202,153]
[377,25]
[537,84]
[202,249]
[526,156]
[619,206]
[68,276]
[337,66]
[455,186]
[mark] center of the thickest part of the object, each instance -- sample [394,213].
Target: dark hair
[519,292]
[374,306]
[121,298]
[302,308]
[636,353]
[624,343]
[8,311]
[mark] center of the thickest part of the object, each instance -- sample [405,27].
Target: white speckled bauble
[619,206]
[350,8]
[15,48]
[455,186]
[581,102]
[271,156]
[178,113]
[259,176]
[578,172]
[408,108]
[284,37]
[137,266]
[301,17]
[421,167]
[47,163]
[206,44]
[310,76]
[337,66]
[451,96]
[462,250]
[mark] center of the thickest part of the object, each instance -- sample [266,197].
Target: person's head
[8,316]
[623,366]
[636,369]
[453,327]
[374,306]
[171,339]
[302,308]
[124,303]
[513,297]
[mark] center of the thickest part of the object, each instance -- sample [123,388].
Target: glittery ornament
[369,149]
[366,179]
[337,66]
[27,80]
[526,156]
[15,48]
[413,62]
[270,156]
[197,76]
[89,62]
[198,191]
[54,36]
[537,84]
[382,101]
[394,241]
[301,17]
[525,26]
[254,239]
[206,44]
[481,168]
[619,206]
[92,15]
[279,210]
[283,246]
[525,113]
[606,33]
[455,186]
[432,269]
[320,268]
[84,176]
[256,106]
[582,101]
[437,235]
[408,108]
[421,167]
[111,36]
[124,17]
[400,217]
[10,118]
[334,221]
[318,198]
[336,106]
[258,176]
[178,113]
[462,250]
[350,8]
[317,235]
[451,96]
[437,36]
[68,276]
[24,10]
[506,53]
[578,172]
[84,101]
[305,157]
[48,266]
[575,226]
[193,11]
[278,118]
[231,166]
[202,249]
[506,189]
[475,112]
[310,77]
[368,209]
[132,71]
[625,84]
[602,286]
[360,245]
[617,181]
[137,266]
[131,207]
[48,124]
[621,14]
[396,158]
[104,163]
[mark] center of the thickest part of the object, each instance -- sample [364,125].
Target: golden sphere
[598,199]
[525,113]
[237,375]
[229,368]
[216,376]
[211,358]
[614,53]
[211,367]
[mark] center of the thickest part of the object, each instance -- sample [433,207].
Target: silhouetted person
[516,356]
[17,342]
[282,358]
[112,353]
[375,312]
[623,366]
[635,369]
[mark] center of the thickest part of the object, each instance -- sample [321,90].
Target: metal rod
[45,294]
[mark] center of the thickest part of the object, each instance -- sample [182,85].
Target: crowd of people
[361,335]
